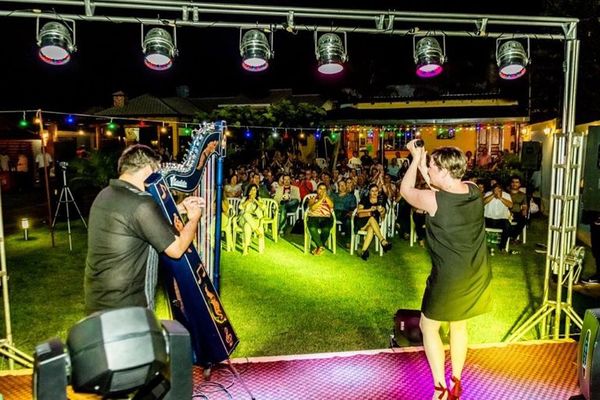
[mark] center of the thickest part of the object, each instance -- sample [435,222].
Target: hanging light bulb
[274,133]
[255,51]
[23,123]
[248,133]
[159,49]
[55,43]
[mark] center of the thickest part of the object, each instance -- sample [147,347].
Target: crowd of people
[363,195]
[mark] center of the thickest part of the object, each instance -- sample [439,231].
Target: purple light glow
[331,68]
[255,64]
[512,71]
[54,55]
[158,62]
[429,70]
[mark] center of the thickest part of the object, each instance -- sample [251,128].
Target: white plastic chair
[271,218]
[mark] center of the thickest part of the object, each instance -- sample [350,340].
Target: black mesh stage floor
[537,370]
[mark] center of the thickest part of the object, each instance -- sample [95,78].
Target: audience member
[371,211]
[497,205]
[252,211]
[319,218]
[288,197]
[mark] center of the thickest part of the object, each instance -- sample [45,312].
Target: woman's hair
[372,185]
[249,188]
[136,157]
[452,159]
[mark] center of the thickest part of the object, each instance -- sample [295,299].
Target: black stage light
[116,353]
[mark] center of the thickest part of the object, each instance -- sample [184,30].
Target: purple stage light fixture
[255,50]
[429,56]
[512,59]
[55,43]
[331,53]
[159,49]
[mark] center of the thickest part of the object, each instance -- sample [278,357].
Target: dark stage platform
[536,370]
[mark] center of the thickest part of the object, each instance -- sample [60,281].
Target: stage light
[331,53]
[255,50]
[114,354]
[55,43]
[429,56]
[512,59]
[159,49]
[25,227]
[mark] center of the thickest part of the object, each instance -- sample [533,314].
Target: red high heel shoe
[443,391]
[456,391]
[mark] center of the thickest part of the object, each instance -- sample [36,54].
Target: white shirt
[495,209]
[354,163]
[39,160]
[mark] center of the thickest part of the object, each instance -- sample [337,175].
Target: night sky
[109,58]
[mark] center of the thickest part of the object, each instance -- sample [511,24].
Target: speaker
[406,324]
[588,359]
[50,371]
[591,172]
[531,155]
[179,372]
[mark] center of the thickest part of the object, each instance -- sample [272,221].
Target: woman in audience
[252,210]
[319,214]
[371,211]
[233,188]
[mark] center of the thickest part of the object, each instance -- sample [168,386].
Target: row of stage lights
[56,45]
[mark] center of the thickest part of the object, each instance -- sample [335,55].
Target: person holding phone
[458,287]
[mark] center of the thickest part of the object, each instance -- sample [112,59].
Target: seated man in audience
[319,217]
[497,205]
[288,197]
[519,209]
[306,184]
[344,204]
[354,162]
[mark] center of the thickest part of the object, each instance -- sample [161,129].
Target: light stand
[6,344]
[65,198]
[561,257]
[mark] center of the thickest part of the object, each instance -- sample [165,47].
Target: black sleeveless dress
[458,287]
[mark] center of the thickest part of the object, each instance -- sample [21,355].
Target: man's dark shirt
[123,222]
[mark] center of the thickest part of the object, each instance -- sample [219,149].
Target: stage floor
[536,370]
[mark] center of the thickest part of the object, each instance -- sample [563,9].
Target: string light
[23,122]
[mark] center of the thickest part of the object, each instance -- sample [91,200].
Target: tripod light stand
[66,197]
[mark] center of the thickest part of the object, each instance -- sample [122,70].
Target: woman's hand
[418,153]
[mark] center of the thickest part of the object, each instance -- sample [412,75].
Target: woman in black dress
[458,287]
[369,214]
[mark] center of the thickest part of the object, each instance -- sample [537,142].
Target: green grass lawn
[280,302]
